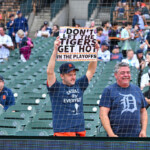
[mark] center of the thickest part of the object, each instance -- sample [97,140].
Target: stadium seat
[40,126]
[11,126]
[3,132]
[30,110]
[22,117]
[43,116]
[37,103]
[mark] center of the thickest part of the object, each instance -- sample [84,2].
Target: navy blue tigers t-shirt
[125,105]
[67,105]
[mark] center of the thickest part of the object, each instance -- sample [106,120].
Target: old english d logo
[129,103]
[4,97]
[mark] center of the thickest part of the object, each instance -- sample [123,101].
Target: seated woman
[55,31]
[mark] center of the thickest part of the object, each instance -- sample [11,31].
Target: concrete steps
[103,15]
[39,19]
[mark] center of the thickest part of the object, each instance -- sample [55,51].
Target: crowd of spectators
[114,41]
[16,30]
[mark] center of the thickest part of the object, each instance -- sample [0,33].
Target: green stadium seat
[43,116]
[47,108]
[3,132]
[11,126]
[30,110]
[22,117]
[40,126]
[38,104]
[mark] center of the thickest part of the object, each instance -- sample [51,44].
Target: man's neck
[123,85]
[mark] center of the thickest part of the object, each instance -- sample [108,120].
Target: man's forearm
[106,124]
[51,64]
[92,66]
[144,119]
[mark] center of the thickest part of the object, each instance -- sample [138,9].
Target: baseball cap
[116,46]
[45,23]
[105,43]
[139,51]
[11,15]
[66,68]
[1,78]
[18,12]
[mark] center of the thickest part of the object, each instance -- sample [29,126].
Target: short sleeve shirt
[67,105]
[125,105]
[4,52]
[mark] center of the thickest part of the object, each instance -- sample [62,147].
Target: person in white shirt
[131,60]
[104,53]
[106,26]
[43,32]
[126,36]
[6,44]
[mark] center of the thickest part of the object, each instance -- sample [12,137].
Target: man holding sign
[67,97]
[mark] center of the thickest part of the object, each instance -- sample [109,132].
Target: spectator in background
[104,53]
[92,24]
[55,31]
[100,37]
[116,55]
[147,59]
[141,58]
[130,59]
[6,45]
[147,41]
[10,27]
[25,46]
[145,13]
[77,25]
[124,2]
[6,95]
[20,23]
[113,35]
[145,80]
[147,96]
[138,19]
[47,28]
[106,26]
[43,32]
[125,37]
[123,106]
[137,6]
[119,10]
